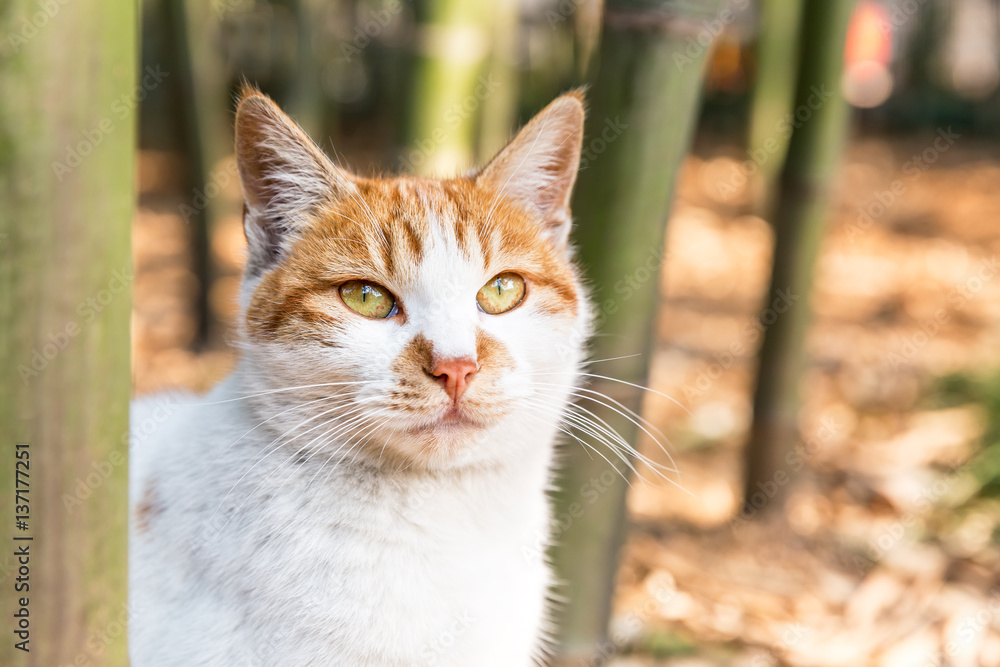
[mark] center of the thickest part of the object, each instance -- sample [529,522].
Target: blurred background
[817,304]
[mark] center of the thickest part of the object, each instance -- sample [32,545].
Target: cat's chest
[446,534]
[420,566]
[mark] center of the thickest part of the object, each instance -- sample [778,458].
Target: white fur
[341,558]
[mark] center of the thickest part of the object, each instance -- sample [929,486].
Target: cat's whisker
[370,418]
[371,217]
[586,445]
[275,416]
[283,389]
[382,451]
[587,362]
[596,396]
[344,239]
[267,477]
[606,437]
[624,444]
[280,442]
[321,440]
[621,446]
[618,445]
[610,403]
[376,424]
[630,384]
[271,448]
[356,196]
[607,440]
[365,418]
[344,429]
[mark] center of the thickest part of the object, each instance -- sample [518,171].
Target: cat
[369,484]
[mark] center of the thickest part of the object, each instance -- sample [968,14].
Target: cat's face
[416,316]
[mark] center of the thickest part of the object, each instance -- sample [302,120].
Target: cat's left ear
[284,176]
[537,169]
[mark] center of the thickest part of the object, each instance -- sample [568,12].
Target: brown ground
[869,565]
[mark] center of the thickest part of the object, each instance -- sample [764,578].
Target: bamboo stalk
[68,108]
[452,45]
[799,223]
[644,103]
[774,87]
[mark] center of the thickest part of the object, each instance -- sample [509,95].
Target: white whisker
[630,384]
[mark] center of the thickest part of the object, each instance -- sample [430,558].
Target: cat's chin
[441,441]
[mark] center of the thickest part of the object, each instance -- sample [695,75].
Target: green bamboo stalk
[499,113]
[799,223]
[306,99]
[643,109]
[207,130]
[452,45]
[774,86]
[68,113]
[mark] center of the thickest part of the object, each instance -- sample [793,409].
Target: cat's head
[415,316]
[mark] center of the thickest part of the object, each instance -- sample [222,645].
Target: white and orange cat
[367,486]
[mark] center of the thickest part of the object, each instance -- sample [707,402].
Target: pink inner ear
[283,174]
[538,167]
[274,154]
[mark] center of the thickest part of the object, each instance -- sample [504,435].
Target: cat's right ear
[537,169]
[284,176]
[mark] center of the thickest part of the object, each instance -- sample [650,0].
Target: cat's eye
[501,293]
[368,299]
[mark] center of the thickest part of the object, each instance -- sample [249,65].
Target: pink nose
[454,375]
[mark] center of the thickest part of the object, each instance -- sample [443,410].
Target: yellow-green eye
[501,293]
[368,299]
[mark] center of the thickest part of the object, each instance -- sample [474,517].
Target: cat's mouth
[454,419]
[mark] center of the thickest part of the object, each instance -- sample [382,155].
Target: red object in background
[869,35]
[867,81]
